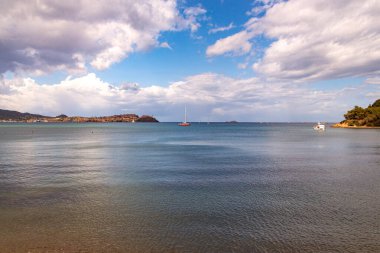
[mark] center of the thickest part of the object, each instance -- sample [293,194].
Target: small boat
[320,127]
[185,123]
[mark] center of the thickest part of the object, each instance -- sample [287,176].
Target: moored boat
[320,127]
[185,123]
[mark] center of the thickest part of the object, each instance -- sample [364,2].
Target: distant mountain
[14,115]
[362,117]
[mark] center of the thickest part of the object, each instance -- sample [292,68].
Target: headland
[362,118]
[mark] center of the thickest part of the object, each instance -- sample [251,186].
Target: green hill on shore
[362,117]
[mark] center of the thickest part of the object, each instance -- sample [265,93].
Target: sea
[217,187]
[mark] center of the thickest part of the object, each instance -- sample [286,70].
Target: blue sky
[186,57]
[251,60]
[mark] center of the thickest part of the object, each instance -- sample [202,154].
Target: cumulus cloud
[208,97]
[313,39]
[87,94]
[221,29]
[47,35]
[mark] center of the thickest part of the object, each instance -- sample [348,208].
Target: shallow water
[205,188]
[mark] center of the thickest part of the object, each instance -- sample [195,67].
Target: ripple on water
[213,188]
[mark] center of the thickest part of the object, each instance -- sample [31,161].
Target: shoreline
[353,127]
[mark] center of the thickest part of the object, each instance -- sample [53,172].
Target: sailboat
[185,123]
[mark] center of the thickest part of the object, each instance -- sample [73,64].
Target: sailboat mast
[185,124]
[185,115]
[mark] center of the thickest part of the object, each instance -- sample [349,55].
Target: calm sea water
[206,188]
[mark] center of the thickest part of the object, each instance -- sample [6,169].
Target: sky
[244,60]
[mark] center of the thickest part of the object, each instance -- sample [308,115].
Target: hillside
[362,117]
[14,115]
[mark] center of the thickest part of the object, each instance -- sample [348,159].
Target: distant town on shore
[15,116]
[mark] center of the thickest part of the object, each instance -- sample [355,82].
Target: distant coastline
[7,116]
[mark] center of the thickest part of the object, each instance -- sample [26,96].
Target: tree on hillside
[359,116]
[376,104]
[357,113]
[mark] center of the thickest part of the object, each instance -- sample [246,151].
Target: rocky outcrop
[146,118]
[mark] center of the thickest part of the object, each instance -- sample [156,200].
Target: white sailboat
[185,123]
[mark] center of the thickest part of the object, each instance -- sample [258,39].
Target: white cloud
[314,39]
[192,14]
[221,29]
[236,44]
[194,11]
[208,97]
[86,94]
[373,80]
[42,36]
[262,6]
[165,45]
